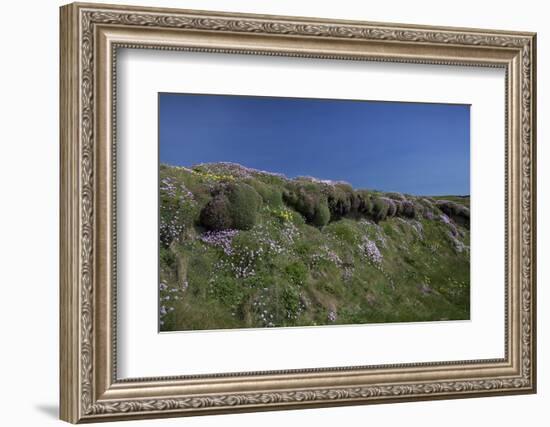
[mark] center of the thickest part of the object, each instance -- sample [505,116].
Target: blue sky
[412,148]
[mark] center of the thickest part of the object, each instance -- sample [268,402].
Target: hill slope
[243,248]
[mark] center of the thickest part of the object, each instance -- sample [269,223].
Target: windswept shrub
[392,208]
[459,213]
[270,194]
[340,199]
[419,209]
[244,203]
[321,217]
[398,207]
[396,196]
[379,209]
[428,208]
[408,209]
[306,198]
[364,207]
[235,206]
[216,215]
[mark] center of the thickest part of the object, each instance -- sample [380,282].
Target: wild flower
[170,229]
[425,289]
[417,226]
[244,266]
[221,239]
[175,200]
[267,243]
[234,170]
[271,245]
[168,299]
[329,182]
[290,232]
[332,316]
[326,254]
[168,186]
[453,230]
[283,214]
[261,308]
[186,193]
[444,219]
[379,234]
[458,245]
[333,257]
[347,273]
[184,285]
[369,248]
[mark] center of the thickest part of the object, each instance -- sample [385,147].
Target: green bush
[235,206]
[408,209]
[321,217]
[364,206]
[270,194]
[459,213]
[306,198]
[398,207]
[379,209]
[299,199]
[392,208]
[216,215]
[244,203]
[340,200]
[395,196]
[419,209]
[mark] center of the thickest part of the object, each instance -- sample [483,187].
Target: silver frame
[90,37]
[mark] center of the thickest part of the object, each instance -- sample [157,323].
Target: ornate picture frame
[90,37]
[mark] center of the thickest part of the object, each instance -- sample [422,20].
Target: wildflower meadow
[244,248]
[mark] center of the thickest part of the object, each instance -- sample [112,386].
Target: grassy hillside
[242,248]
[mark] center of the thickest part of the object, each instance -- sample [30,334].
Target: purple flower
[425,289]
[445,219]
[332,316]
[369,248]
[221,239]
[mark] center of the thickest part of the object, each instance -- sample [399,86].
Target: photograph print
[304,212]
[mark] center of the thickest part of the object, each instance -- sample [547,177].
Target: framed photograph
[265,212]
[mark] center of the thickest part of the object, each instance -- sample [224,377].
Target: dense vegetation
[243,248]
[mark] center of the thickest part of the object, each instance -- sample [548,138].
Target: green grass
[284,269]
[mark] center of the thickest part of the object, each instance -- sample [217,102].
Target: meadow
[243,248]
